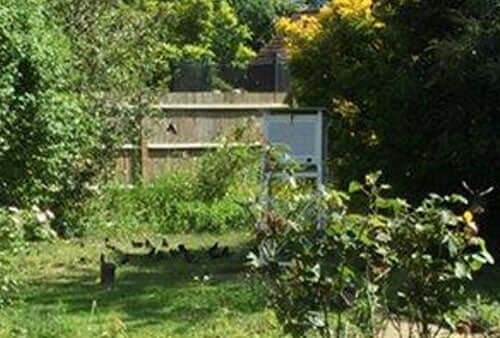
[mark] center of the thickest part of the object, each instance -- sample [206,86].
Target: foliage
[208,196]
[412,86]
[260,15]
[47,139]
[232,163]
[477,315]
[355,263]
[135,43]
[17,227]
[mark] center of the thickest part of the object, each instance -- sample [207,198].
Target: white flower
[40,217]
[49,214]
[13,209]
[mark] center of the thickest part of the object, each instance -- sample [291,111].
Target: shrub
[48,143]
[355,263]
[234,163]
[17,227]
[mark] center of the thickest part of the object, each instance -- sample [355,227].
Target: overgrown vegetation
[414,87]
[208,196]
[394,264]
[46,138]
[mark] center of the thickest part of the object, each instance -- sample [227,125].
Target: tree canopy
[413,87]
[45,137]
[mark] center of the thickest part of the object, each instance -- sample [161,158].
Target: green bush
[391,262]
[48,143]
[17,227]
[156,206]
[205,197]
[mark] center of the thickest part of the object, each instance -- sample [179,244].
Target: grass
[63,298]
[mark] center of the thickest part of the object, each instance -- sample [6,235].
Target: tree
[260,15]
[413,87]
[46,139]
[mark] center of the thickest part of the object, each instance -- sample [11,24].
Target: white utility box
[303,132]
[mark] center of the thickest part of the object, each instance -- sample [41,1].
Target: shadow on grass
[149,292]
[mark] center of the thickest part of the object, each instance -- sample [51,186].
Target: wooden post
[145,159]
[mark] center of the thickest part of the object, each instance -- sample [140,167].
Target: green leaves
[461,271]
[422,255]
[354,186]
[410,96]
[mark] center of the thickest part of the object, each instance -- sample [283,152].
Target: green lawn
[62,296]
[169,298]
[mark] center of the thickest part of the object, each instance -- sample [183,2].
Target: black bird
[224,252]
[137,244]
[185,252]
[151,252]
[124,259]
[160,255]
[213,251]
[107,272]
[108,244]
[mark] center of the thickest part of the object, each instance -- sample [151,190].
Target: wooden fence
[190,125]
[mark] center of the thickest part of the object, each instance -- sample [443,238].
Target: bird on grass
[161,255]
[107,244]
[107,272]
[215,252]
[151,252]
[173,252]
[188,256]
[212,252]
[137,244]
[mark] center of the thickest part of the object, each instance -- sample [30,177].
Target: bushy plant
[17,227]
[233,163]
[477,315]
[321,258]
[48,143]
[205,197]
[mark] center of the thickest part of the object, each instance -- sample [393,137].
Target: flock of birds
[153,253]
[162,252]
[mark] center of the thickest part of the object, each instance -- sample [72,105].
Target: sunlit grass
[62,296]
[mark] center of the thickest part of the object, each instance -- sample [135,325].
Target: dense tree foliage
[45,137]
[134,43]
[77,77]
[260,15]
[413,86]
